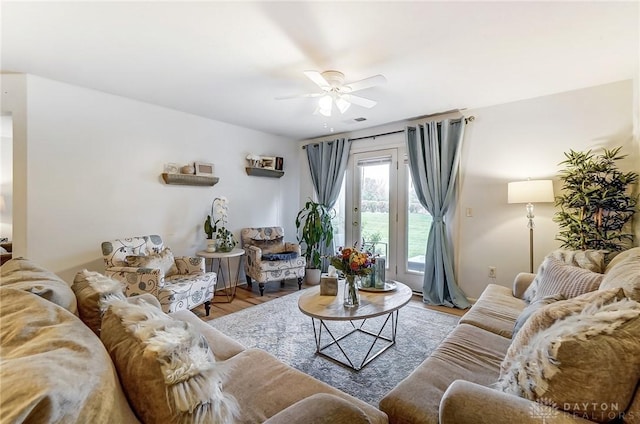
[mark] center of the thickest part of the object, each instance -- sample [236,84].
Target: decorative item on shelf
[253,160]
[171,168]
[354,265]
[268,162]
[329,282]
[188,170]
[204,168]
[279,163]
[224,240]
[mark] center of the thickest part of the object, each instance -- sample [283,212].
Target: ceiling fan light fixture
[325,105]
[342,104]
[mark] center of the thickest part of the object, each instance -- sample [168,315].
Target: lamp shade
[530,191]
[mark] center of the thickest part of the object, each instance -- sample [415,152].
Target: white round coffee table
[372,304]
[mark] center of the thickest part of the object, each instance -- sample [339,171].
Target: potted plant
[224,241]
[315,231]
[596,204]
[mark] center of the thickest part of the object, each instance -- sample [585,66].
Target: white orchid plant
[219,209]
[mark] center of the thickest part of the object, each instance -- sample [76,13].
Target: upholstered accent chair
[144,265]
[270,258]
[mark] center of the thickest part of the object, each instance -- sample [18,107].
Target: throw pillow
[624,273]
[586,364]
[557,277]
[166,367]
[546,316]
[282,256]
[532,308]
[93,292]
[275,245]
[164,261]
[593,260]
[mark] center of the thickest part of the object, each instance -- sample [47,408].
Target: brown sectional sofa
[456,383]
[54,368]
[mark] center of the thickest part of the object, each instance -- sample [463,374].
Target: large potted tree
[596,204]
[315,231]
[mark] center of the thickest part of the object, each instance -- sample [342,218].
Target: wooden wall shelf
[261,172]
[186,179]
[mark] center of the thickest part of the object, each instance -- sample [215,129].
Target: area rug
[281,329]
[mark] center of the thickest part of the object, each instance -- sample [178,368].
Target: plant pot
[312,276]
[211,245]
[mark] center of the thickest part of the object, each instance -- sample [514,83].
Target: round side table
[228,285]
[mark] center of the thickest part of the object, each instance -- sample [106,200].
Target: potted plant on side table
[314,231]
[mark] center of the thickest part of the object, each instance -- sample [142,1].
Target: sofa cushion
[321,408]
[23,274]
[624,272]
[532,308]
[272,386]
[164,261]
[468,353]
[586,364]
[592,260]
[54,369]
[546,316]
[92,291]
[222,346]
[557,277]
[281,256]
[495,310]
[166,367]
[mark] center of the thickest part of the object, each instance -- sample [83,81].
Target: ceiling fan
[335,91]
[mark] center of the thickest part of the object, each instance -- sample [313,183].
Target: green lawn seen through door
[419,225]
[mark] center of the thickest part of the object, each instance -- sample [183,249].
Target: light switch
[469,212]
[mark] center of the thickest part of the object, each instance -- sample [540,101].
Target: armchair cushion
[269,246]
[166,366]
[163,261]
[282,256]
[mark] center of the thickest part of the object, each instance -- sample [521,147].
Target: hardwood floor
[246,298]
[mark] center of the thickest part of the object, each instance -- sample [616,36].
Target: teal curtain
[327,164]
[434,156]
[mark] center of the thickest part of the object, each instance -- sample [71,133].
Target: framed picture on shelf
[268,162]
[204,168]
[279,163]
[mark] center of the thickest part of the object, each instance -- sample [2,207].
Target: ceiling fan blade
[298,96]
[318,79]
[361,101]
[365,83]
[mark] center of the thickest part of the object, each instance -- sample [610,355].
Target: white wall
[94,165]
[6,176]
[513,142]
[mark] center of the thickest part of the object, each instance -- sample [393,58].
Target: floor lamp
[530,192]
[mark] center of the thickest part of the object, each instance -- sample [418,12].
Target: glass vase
[351,297]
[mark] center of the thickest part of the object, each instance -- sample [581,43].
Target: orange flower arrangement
[351,261]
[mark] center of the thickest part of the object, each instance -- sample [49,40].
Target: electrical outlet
[492,272]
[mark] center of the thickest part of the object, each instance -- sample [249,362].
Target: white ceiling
[229,60]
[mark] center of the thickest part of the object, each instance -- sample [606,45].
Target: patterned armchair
[144,265]
[269,258]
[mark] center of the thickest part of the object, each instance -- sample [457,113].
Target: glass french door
[382,213]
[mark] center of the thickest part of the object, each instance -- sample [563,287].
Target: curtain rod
[466,120]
